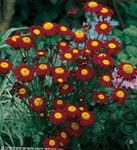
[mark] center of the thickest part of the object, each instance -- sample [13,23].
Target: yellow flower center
[79,34]
[128,68]
[101,96]
[94,43]
[38,101]
[63,135]
[58,115]
[84,72]
[26,40]
[106,78]
[4,65]
[14,38]
[43,66]
[24,72]
[59,70]
[87,51]
[65,86]
[22,91]
[63,28]
[60,80]
[75,126]
[112,45]
[42,114]
[81,108]
[59,102]
[106,62]
[72,108]
[48,26]
[103,26]
[63,44]
[36,31]
[75,51]
[85,116]
[52,142]
[40,53]
[104,10]
[120,94]
[92,4]
[68,55]
[102,55]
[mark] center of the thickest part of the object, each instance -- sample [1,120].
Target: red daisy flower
[105,12]
[63,45]
[103,27]
[51,143]
[26,42]
[22,92]
[73,11]
[13,41]
[65,89]
[94,45]
[42,70]
[119,95]
[66,56]
[49,29]
[36,31]
[59,103]
[112,46]
[106,80]
[82,107]
[64,31]
[63,138]
[41,52]
[24,73]
[74,129]
[99,55]
[127,71]
[92,6]
[104,62]
[76,53]
[87,118]
[5,66]
[99,96]
[37,104]
[57,117]
[84,73]
[87,53]
[79,36]
[59,80]
[72,111]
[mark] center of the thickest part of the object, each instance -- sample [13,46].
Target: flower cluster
[58,80]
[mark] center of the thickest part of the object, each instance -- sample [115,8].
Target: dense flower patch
[59,80]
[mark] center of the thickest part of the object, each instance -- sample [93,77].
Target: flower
[51,143]
[74,129]
[72,111]
[99,96]
[119,95]
[37,104]
[57,116]
[105,12]
[106,80]
[49,29]
[64,31]
[5,66]
[41,52]
[127,71]
[24,73]
[26,42]
[92,6]
[66,56]
[73,11]
[13,41]
[112,46]
[87,118]
[63,45]
[65,88]
[42,70]
[59,103]
[103,27]
[94,45]
[22,92]
[84,73]
[63,138]
[35,31]
[79,36]
[76,53]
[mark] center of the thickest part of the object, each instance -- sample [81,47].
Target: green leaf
[53,1]
[135,136]
[1,117]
